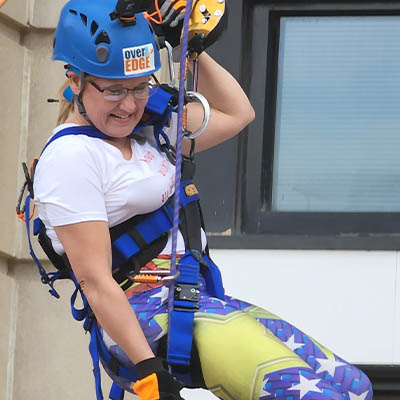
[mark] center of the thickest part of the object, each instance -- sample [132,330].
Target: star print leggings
[247,353]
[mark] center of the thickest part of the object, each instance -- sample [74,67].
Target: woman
[85,185]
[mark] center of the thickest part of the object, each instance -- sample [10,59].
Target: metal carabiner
[170,63]
[199,98]
[190,96]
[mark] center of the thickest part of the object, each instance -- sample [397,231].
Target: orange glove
[155,383]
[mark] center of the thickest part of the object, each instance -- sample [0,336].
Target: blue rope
[181,103]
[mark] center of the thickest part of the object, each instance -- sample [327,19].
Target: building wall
[348,300]
[34,333]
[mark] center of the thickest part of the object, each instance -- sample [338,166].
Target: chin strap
[71,97]
[78,99]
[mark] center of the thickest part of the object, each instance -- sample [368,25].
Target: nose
[128,103]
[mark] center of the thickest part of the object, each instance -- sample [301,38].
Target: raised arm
[88,248]
[231,110]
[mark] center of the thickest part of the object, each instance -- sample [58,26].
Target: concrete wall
[37,333]
[7,326]
[347,300]
[13,57]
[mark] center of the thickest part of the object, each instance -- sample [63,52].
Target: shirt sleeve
[68,184]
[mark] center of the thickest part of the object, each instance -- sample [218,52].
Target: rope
[181,103]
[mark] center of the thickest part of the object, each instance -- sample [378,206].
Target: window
[337,125]
[320,166]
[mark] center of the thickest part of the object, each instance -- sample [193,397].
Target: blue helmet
[90,41]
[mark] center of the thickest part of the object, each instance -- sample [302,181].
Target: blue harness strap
[86,130]
[185,303]
[213,278]
[116,393]
[47,278]
[145,232]
[97,348]
[158,102]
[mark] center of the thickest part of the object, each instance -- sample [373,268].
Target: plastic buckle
[187,292]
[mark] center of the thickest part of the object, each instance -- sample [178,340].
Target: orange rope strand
[184,119]
[184,116]
[157,12]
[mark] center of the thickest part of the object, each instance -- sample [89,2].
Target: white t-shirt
[79,178]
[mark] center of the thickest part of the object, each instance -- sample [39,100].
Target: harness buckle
[187,292]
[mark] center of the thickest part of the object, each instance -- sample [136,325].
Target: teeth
[121,116]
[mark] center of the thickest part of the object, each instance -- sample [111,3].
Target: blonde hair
[65,108]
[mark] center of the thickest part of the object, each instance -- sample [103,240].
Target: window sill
[307,242]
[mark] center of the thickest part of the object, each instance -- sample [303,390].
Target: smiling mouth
[121,116]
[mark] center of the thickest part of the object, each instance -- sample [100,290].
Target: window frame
[254,225]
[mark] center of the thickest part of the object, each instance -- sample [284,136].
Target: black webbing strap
[61,262]
[190,216]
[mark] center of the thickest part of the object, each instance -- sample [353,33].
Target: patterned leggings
[247,353]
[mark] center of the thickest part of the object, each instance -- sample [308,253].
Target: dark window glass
[337,128]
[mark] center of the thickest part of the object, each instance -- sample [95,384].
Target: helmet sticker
[139,59]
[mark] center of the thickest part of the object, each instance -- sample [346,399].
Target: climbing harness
[140,239]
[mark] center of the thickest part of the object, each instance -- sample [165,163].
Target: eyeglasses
[116,93]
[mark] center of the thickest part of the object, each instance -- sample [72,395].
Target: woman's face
[114,118]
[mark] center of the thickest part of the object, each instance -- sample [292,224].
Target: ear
[74,82]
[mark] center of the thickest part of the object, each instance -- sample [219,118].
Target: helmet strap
[81,109]
[78,100]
